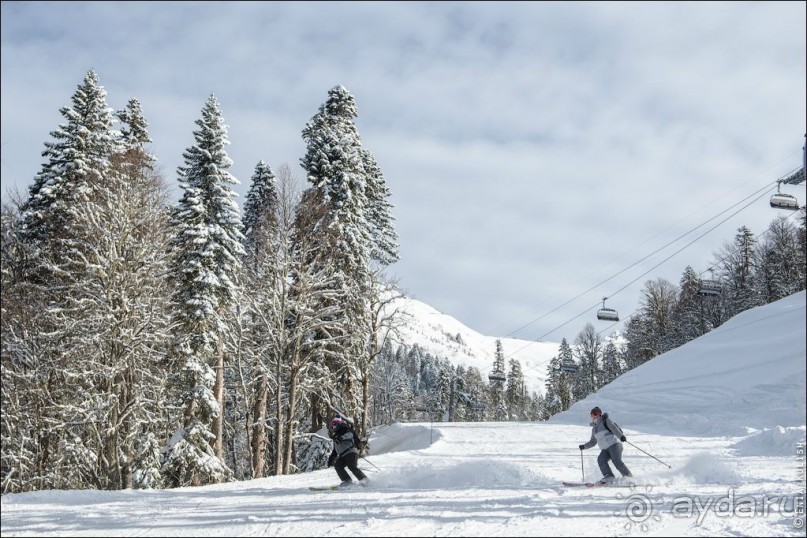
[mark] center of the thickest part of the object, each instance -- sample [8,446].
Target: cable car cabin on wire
[497,376]
[568,366]
[710,286]
[607,314]
[781,200]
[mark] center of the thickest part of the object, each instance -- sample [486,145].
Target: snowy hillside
[726,412]
[443,336]
[746,375]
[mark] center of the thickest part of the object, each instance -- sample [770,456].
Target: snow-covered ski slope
[749,373]
[727,412]
[444,336]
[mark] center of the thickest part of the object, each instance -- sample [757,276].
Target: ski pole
[370,462]
[581,466]
[651,455]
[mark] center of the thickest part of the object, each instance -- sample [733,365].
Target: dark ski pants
[351,461]
[612,453]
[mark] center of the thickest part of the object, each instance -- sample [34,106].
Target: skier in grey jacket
[609,437]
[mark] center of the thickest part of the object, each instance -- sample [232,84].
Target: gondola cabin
[497,376]
[710,287]
[781,200]
[607,314]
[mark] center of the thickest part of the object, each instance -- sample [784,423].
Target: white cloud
[526,145]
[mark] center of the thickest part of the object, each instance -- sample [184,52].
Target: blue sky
[533,149]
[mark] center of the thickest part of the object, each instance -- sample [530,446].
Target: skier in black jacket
[345,453]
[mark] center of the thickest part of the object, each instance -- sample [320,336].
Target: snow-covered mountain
[443,336]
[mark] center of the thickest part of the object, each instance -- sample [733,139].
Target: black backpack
[605,422]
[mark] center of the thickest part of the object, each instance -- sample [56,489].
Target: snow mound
[776,441]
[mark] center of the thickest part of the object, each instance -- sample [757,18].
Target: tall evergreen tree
[76,160]
[689,319]
[260,210]
[496,385]
[206,257]
[101,307]
[384,244]
[552,385]
[134,133]
[737,264]
[515,396]
[611,363]
[778,271]
[337,209]
[263,305]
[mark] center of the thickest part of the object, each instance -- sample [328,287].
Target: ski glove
[582,447]
[623,439]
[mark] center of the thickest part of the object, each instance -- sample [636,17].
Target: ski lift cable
[756,195]
[621,256]
[688,244]
[718,261]
[766,188]
[645,273]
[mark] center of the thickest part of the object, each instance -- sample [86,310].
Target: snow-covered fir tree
[206,254]
[260,210]
[147,462]
[497,378]
[515,395]
[689,318]
[256,376]
[337,207]
[779,268]
[737,266]
[384,246]
[134,133]
[76,159]
[564,370]
[117,303]
[552,386]
[611,363]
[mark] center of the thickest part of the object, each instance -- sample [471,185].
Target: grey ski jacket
[600,434]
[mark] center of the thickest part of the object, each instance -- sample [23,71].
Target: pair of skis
[336,487]
[597,485]
[326,488]
[567,484]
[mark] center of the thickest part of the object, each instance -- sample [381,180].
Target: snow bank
[776,441]
[748,373]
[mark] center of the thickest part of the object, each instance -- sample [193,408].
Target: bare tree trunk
[290,423]
[365,380]
[259,428]
[280,436]
[218,392]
